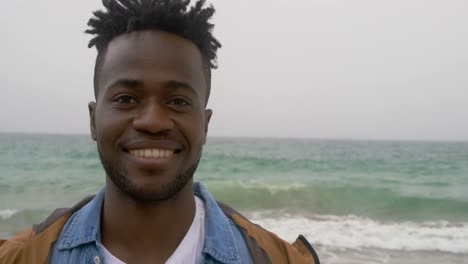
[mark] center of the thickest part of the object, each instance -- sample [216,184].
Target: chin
[153,189]
[157,193]
[150,188]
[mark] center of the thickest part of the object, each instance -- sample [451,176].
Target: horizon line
[263,137]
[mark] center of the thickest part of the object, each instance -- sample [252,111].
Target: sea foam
[352,232]
[8,213]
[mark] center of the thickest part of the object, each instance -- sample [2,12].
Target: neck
[135,230]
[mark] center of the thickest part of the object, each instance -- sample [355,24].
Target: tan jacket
[33,245]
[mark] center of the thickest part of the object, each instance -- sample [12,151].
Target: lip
[152,163]
[153,144]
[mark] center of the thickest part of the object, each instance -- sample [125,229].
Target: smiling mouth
[152,153]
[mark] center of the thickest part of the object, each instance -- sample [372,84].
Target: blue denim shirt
[80,239]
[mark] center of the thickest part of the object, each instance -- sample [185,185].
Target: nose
[153,118]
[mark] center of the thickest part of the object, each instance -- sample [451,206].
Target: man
[152,83]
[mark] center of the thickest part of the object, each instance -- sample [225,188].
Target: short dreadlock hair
[173,16]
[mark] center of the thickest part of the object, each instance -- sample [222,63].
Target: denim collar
[219,241]
[84,228]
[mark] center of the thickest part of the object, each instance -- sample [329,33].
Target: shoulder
[267,247]
[34,244]
[12,247]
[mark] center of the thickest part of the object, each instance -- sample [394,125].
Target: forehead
[153,57]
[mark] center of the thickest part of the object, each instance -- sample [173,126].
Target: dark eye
[125,99]
[179,102]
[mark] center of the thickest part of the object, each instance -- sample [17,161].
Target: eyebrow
[171,84]
[125,83]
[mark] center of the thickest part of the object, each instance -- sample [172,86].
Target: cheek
[193,128]
[109,124]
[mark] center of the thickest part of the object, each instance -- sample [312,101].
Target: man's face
[149,119]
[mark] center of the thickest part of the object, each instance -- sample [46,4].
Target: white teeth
[152,153]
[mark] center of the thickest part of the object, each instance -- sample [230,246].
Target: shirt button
[97,260]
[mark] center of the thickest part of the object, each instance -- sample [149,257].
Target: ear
[208,115]
[92,119]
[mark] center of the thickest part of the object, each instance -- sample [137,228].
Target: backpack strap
[58,213]
[266,247]
[258,254]
[49,230]
[304,246]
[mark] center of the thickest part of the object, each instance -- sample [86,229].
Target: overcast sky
[354,69]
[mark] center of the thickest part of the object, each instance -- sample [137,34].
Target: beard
[120,177]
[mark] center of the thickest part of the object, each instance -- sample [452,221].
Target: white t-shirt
[109,258]
[189,250]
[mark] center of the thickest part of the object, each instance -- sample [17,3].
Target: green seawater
[384,181]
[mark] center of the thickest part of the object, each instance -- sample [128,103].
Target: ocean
[356,201]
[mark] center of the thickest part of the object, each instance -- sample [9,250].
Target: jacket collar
[219,242]
[84,228]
